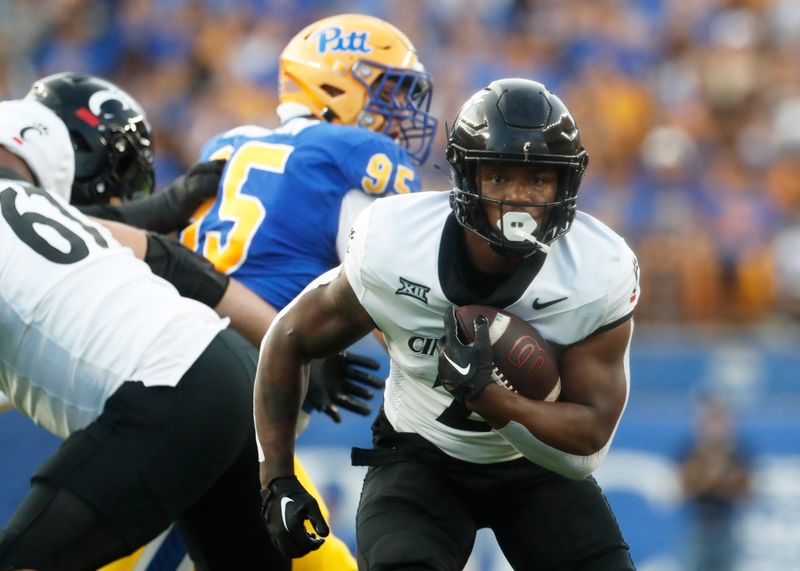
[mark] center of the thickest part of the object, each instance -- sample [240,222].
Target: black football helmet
[109,131]
[517,121]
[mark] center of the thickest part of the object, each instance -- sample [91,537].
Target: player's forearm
[569,427]
[278,395]
[250,315]
[133,238]
[323,320]
[165,212]
[574,466]
[559,436]
[169,210]
[157,213]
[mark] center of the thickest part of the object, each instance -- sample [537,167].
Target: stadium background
[690,110]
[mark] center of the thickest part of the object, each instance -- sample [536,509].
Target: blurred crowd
[690,109]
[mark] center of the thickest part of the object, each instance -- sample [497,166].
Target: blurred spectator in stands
[716,478]
[668,221]
[786,261]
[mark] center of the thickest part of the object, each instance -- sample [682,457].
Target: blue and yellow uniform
[287,198]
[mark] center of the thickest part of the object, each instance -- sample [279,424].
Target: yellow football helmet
[359,70]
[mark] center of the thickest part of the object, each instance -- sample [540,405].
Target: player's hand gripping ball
[523,360]
[464,370]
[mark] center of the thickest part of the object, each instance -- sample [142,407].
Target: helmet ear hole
[331,90]
[79,142]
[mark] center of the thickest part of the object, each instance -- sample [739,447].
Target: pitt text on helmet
[334,39]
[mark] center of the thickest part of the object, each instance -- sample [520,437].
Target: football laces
[499,378]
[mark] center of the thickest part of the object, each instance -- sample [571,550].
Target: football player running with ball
[448,461]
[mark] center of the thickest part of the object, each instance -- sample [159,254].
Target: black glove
[464,370]
[286,506]
[200,183]
[169,210]
[330,383]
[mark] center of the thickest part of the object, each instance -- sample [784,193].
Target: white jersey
[80,315]
[398,264]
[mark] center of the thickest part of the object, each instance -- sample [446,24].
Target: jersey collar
[461,283]
[289,111]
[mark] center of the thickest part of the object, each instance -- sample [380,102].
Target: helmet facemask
[134,169]
[127,169]
[398,104]
[517,122]
[517,233]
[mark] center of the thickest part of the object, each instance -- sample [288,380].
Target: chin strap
[328,115]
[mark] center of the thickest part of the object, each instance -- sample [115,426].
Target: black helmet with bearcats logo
[109,131]
[515,121]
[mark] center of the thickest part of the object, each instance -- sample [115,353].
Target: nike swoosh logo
[463,370]
[284,503]
[537,305]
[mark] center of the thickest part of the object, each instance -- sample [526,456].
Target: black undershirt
[463,284]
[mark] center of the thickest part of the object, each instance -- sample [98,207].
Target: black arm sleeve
[169,210]
[163,212]
[102,211]
[193,275]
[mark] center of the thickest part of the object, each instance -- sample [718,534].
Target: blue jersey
[276,218]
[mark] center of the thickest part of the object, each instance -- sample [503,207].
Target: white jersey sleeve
[355,251]
[353,203]
[79,315]
[591,278]
[624,288]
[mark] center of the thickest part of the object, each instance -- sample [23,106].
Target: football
[524,362]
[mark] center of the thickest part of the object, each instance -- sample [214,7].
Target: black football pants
[420,509]
[155,455]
